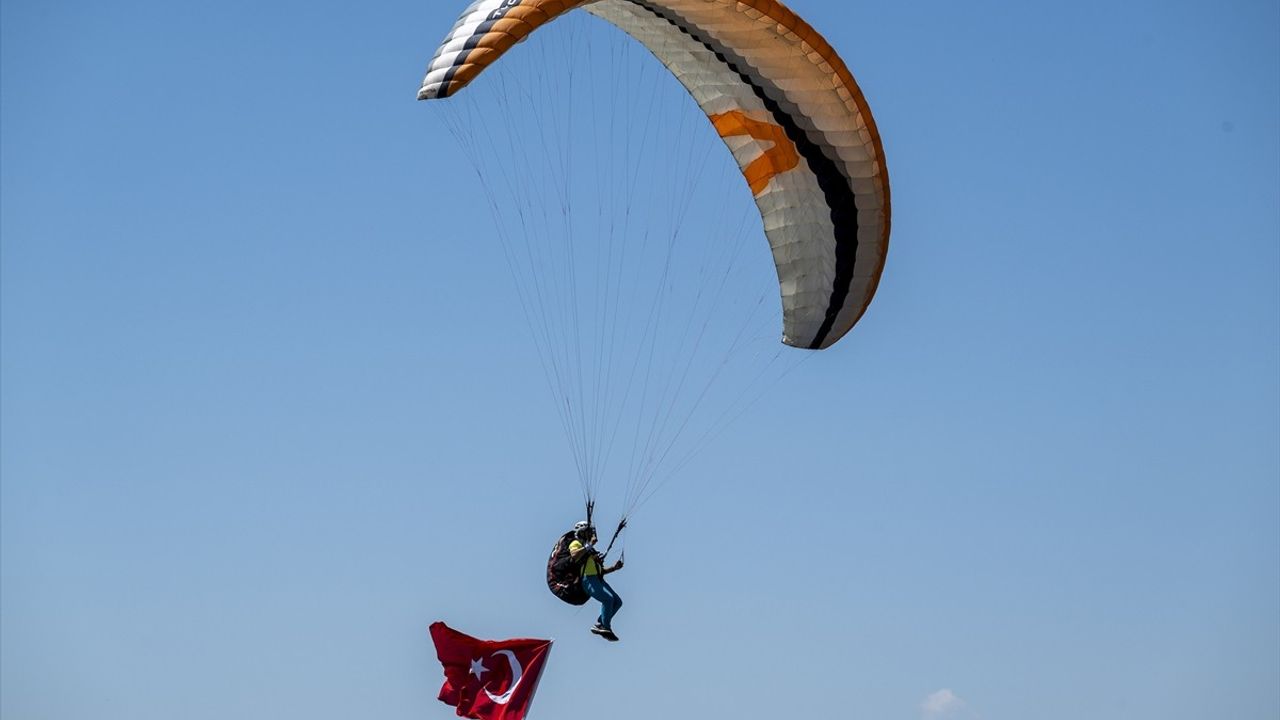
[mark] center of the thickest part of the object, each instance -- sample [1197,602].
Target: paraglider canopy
[783,102]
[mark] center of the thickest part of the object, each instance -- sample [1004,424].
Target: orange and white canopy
[787,108]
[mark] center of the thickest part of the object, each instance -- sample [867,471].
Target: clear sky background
[254,438]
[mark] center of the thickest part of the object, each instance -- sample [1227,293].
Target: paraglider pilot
[593,582]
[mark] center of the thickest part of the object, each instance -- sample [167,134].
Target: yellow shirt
[592,567]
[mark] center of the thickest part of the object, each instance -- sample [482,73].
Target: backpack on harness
[564,576]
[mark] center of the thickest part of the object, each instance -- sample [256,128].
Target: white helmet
[580,526]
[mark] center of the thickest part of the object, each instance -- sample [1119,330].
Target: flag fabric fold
[489,679]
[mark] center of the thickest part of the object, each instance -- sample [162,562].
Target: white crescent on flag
[516,672]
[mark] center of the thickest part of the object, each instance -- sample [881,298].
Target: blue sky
[255,437]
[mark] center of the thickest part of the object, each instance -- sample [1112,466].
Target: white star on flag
[478,668]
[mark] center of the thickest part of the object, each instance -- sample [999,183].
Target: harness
[564,575]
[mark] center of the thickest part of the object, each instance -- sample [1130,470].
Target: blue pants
[610,601]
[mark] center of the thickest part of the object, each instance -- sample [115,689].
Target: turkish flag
[488,679]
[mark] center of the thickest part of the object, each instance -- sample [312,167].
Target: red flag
[487,679]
